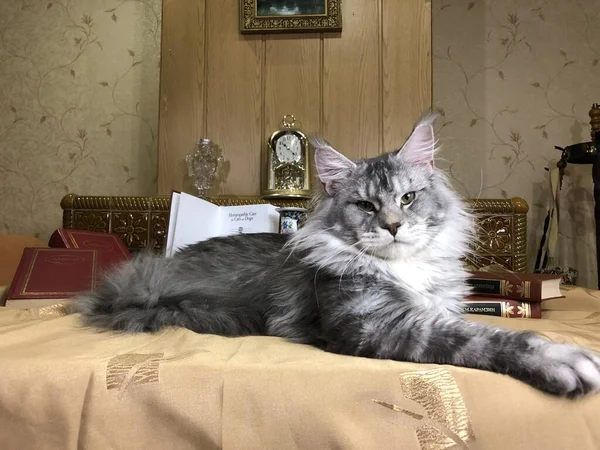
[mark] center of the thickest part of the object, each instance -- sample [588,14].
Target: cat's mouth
[381,244]
[389,242]
[387,249]
[393,249]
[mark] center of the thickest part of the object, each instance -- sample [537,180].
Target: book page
[195,220]
[173,208]
[249,219]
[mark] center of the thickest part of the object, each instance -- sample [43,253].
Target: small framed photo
[280,16]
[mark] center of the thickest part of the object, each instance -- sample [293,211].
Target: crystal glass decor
[204,165]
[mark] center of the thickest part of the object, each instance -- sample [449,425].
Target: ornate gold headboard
[141,221]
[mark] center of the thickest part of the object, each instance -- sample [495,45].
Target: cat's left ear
[420,147]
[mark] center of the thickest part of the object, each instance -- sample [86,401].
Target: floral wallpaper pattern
[78,105]
[513,79]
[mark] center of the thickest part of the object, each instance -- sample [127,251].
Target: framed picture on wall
[280,16]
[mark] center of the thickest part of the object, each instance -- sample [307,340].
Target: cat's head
[392,206]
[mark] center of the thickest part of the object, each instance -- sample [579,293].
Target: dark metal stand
[587,153]
[596,178]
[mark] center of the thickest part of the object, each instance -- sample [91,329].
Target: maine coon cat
[374,272]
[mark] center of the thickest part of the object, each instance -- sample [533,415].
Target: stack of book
[73,263]
[510,294]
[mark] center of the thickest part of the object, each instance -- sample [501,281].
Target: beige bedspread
[65,387]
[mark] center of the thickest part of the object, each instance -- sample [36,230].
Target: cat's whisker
[327,260]
[361,253]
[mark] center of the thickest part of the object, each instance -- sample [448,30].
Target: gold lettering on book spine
[505,287]
[508,310]
[524,289]
[524,310]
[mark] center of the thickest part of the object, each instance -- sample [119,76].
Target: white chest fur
[425,280]
[417,275]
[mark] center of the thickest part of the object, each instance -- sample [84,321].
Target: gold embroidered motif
[49,312]
[449,424]
[398,409]
[132,369]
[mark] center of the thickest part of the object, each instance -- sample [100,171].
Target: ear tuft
[332,167]
[421,145]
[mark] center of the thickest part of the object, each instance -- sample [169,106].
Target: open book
[192,219]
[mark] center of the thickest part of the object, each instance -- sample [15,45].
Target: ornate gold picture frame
[280,16]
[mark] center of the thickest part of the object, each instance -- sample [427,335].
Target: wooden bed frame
[143,221]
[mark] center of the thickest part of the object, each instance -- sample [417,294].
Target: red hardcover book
[530,287]
[50,275]
[502,307]
[112,248]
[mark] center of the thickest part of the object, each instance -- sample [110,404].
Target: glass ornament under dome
[204,165]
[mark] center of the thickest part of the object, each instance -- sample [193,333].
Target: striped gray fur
[380,283]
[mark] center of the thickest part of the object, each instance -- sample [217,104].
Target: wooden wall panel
[293,81]
[351,82]
[182,90]
[234,95]
[406,65]
[361,89]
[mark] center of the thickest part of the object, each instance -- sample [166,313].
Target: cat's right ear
[332,166]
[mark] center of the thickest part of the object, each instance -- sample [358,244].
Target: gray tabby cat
[374,272]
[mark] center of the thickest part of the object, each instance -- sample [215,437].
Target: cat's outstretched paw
[566,370]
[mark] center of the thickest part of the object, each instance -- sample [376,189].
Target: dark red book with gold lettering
[502,307]
[528,287]
[111,246]
[50,275]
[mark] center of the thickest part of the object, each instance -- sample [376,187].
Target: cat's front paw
[566,370]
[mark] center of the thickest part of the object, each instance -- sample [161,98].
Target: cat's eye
[407,198]
[366,206]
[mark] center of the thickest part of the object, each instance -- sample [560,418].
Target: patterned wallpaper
[78,105]
[514,79]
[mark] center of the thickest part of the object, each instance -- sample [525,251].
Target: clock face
[288,148]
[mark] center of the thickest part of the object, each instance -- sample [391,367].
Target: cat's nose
[392,227]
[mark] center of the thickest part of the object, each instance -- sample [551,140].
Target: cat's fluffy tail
[139,295]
